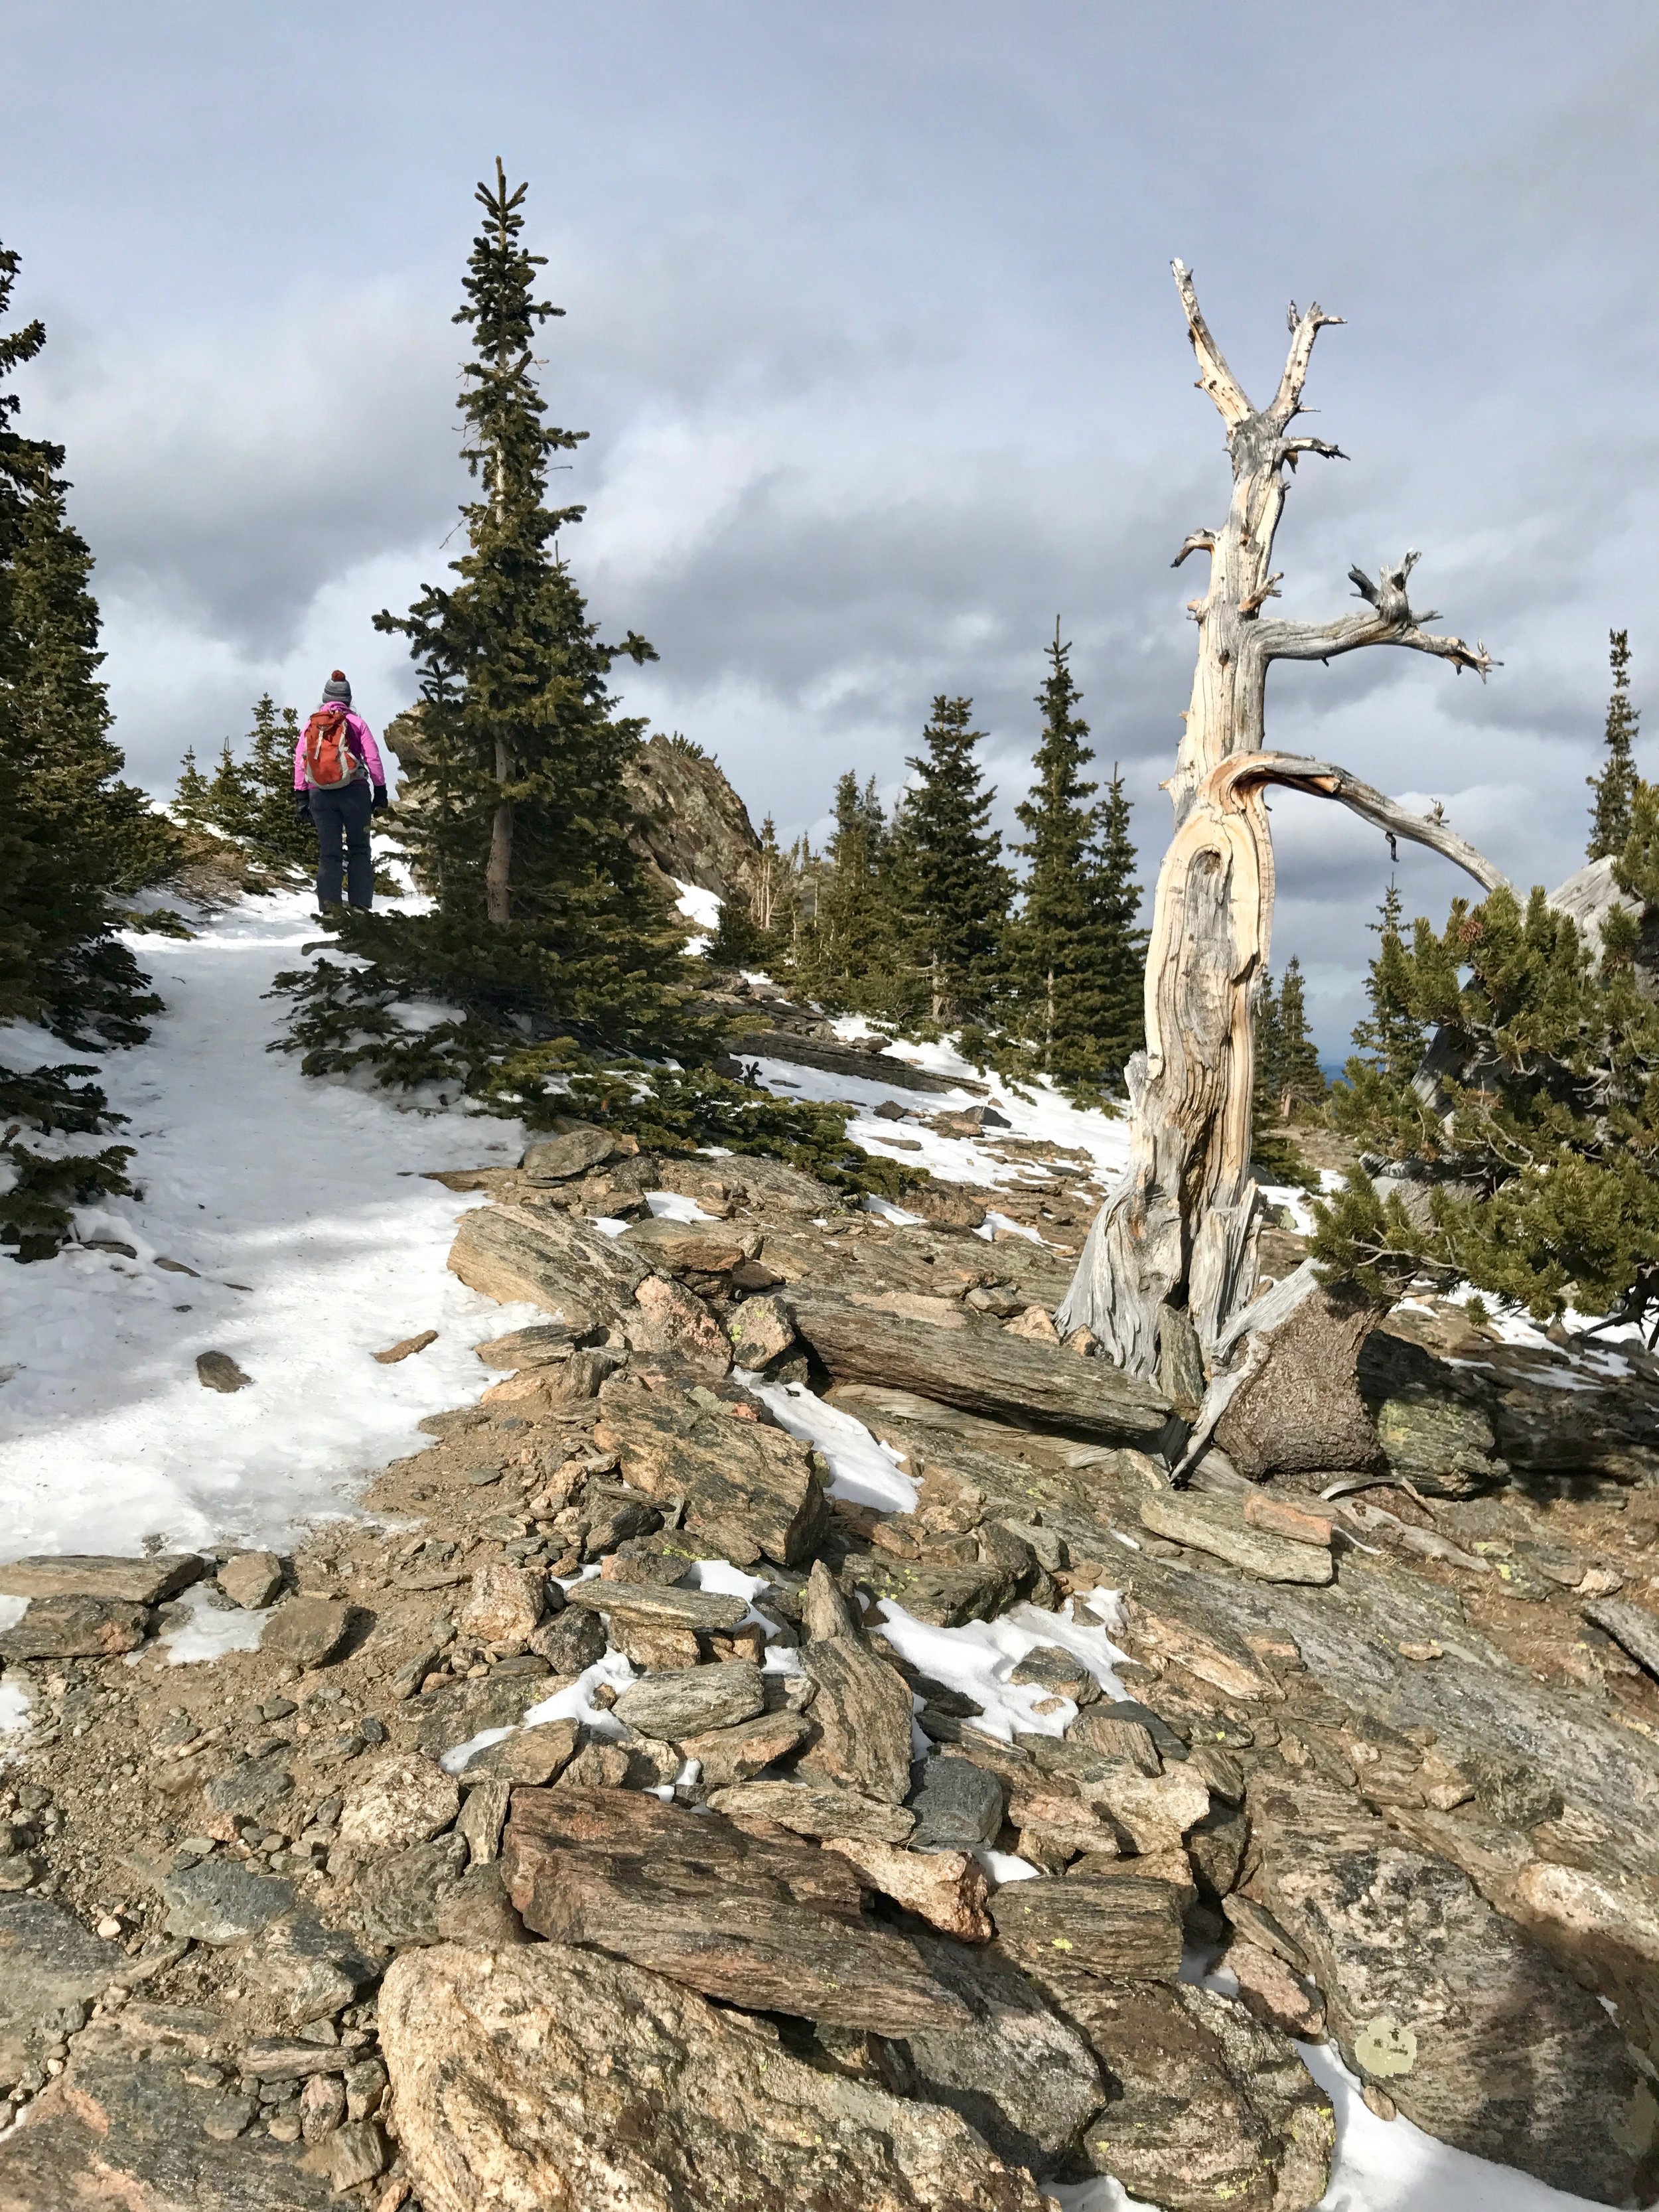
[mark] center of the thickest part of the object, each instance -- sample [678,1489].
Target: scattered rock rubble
[527,1861]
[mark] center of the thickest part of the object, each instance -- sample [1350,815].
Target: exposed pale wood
[982,1368]
[1180,1229]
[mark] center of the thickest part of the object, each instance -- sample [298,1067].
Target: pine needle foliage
[545,922]
[849,960]
[252,800]
[1076,960]
[1288,1077]
[1532,1129]
[1614,786]
[952,890]
[556,963]
[1390,1038]
[74,838]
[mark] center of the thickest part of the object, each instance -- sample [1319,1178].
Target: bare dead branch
[1290,447]
[1213,374]
[1391,621]
[1265,590]
[1287,400]
[1196,541]
[1324,779]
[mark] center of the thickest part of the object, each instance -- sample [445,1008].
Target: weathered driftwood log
[1180,1229]
[833,1059]
[980,1367]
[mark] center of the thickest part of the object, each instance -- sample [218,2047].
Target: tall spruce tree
[230,795]
[1389,1039]
[252,800]
[73,838]
[1075,956]
[273,830]
[1615,785]
[545,925]
[849,962]
[1120,943]
[1288,1077]
[951,885]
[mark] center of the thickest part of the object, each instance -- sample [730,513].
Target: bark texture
[1297,1410]
[1180,1229]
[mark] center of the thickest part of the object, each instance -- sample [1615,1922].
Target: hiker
[338,782]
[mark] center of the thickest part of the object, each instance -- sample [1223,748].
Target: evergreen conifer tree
[768,887]
[948,871]
[848,963]
[274,830]
[189,796]
[545,923]
[1615,786]
[1288,1076]
[1076,959]
[1390,1038]
[230,795]
[1534,1149]
[73,838]
[1120,955]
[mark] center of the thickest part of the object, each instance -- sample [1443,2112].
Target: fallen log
[844,1060]
[980,1367]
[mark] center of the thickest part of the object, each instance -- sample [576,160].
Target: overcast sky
[871,321]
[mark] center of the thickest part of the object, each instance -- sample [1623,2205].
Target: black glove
[381,802]
[302,806]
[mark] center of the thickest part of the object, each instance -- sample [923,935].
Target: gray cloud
[870,319]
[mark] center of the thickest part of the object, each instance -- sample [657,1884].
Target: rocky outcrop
[746,1857]
[1424,1985]
[693,826]
[550,2076]
[772,1924]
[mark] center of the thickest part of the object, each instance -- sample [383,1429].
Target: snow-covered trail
[308,1194]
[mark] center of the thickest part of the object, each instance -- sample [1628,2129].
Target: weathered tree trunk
[498,871]
[1179,1232]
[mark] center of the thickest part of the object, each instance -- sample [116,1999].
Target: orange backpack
[329,758]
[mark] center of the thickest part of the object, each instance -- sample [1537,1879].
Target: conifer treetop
[1614,786]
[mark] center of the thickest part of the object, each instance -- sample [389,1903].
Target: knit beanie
[337,688]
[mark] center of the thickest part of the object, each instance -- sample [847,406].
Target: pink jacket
[363,740]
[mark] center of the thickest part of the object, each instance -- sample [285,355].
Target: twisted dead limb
[1174,1245]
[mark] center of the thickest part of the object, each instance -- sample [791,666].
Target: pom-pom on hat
[337,688]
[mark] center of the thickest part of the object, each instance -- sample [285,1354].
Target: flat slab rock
[133,2135]
[138,1581]
[77,1628]
[751,1491]
[529,1255]
[1119,1925]
[1476,2032]
[1204,2110]
[1217,1526]
[548,2075]
[772,1925]
[49,1964]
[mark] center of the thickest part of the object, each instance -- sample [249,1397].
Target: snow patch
[862,1471]
[211,1631]
[977,1659]
[305,1239]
